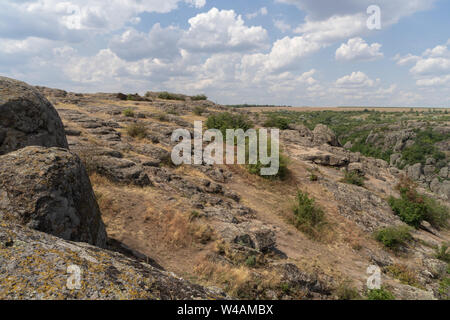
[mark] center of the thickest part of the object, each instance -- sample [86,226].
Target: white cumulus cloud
[358,49]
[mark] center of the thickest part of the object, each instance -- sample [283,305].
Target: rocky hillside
[46,199]
[416,140]
[219,226]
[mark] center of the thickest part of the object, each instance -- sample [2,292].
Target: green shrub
[277,122]
[393,237]
[353,178]
[199,97]
[128,112]
[198,110]
[137,130]
[442,254]
[282,173]
[345,291]
[251,261]
[413,208]
[308,216]
[226,120]
[409,212]
[435,213]
[380,294]
[170,96]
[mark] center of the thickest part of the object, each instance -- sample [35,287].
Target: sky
[283,52]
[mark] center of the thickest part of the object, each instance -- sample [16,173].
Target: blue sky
[287,52]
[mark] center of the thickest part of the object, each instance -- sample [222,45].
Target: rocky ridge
[217,222]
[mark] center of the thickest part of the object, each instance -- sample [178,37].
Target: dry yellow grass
[238,281]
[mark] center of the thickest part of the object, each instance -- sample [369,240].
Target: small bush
[345,291]
[89,160]
[308,216]
[226,120]
[161,116]
[442,254]
[444,288]
[403,273]
[134,97]
[413,208]
[137,130]
[282,173]
[409,212]
[353,178]
[277,122]
[199,97]
[393,237]
[251,261]
[170,96]
[198,110]
[436,214]
[128,112]
[380,294]
[173,111]
[121,96]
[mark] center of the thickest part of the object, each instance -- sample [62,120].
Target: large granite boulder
[324,135]
[27,118]
[48,189]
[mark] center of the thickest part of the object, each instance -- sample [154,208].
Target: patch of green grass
[308,216]
[394,237]
[380,294]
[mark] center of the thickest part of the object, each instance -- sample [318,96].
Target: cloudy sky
[288,52]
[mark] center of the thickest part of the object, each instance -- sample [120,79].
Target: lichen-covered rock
[34,265]
[48,189]
[27,118]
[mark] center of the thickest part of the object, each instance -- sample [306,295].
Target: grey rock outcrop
[47,189]
[323,134]
[27,118]
[39,270]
